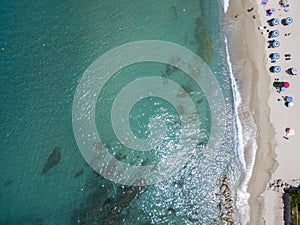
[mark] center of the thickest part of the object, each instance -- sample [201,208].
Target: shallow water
[47,48]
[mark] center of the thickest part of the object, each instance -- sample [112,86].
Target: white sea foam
[243,137]
[225,5]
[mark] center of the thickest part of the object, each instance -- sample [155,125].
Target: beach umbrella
[272,10]
[293,71]
[291,104]
[286,84]
[275,69]
[275,44]
[283,2]
[289,131]
[275,55]
[274,22]
[274,33]
[282,89]
[287,21]
[288,99]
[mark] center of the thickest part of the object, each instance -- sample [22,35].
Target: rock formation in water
[226,206]
[123,202]
[8,182]
[79,173]
[52,160]
[103,208]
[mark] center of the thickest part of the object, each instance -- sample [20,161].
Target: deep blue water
[46,47]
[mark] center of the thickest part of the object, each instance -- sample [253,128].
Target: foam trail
[225,5]
[242,194]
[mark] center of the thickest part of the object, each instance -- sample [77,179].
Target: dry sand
[276,157]
[287,151]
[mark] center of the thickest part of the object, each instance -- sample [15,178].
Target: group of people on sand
[280,185]
[279,85]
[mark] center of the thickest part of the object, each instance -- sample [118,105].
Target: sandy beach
[264,117]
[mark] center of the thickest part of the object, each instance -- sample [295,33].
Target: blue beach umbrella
[275,69]
[274,22]
[274,33]
[275,44]
[288,99]
[275,55]
[287,21]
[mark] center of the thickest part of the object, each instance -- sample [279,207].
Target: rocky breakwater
[226,205]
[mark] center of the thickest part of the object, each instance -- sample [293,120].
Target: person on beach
[250,9]
[262,27]
[279,85]
[289,132]
[288,101]
[287,56]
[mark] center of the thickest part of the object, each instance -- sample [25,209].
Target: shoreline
[241,194]
[249,68]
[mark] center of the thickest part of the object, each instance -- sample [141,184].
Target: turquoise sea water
[47,46]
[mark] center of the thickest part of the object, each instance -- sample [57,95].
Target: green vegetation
[295,195]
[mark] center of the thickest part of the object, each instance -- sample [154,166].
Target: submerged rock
[170,69]
[8,182]
[79,173]
[39,221]
[171,211]
[174,12]
[123,202]
[106,205]
[52,160]
[223,188]
[204,41]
